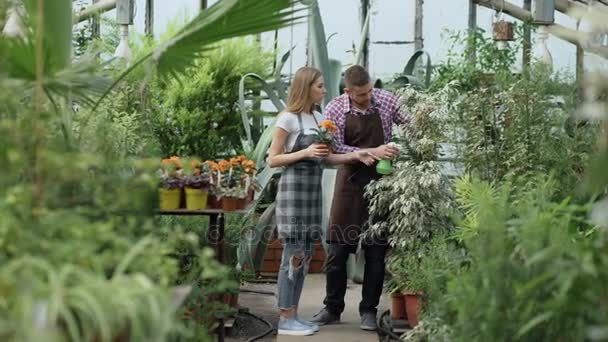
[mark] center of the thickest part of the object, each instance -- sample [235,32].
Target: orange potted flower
[171,183]
[250,182]
[214,200]
[325,132]
[231,187]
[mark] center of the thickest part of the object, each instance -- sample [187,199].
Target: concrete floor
[346,331]
[311,302]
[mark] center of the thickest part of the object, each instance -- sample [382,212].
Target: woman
[299,206]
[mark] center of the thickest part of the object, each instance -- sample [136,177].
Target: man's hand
[317,151]
[388,151]
[365,156]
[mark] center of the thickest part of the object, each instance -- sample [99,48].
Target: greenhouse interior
[263,170]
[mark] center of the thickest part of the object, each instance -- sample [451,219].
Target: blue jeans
[297,254]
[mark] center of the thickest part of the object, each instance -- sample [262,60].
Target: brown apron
[349,214]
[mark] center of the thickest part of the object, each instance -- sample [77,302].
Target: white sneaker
[292,327]
[314,327]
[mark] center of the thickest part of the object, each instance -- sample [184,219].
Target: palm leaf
[226,19]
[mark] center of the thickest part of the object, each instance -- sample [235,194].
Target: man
[364,117]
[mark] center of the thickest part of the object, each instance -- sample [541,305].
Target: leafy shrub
[530,275]
[197,116]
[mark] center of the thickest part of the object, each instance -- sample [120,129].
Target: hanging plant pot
[169,199]
[196,199]
[503,31]
[398,306]
[413,304]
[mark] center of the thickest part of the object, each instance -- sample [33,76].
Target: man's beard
[361,105]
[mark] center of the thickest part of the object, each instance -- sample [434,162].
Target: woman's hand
[317,151]
[365,156]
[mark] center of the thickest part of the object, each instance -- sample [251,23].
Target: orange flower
[234,161]
[212,165]
[329,125]
[248,163]
[196,164]
[224,165]
[173,160]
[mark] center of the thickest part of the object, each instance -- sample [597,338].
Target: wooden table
[215,236]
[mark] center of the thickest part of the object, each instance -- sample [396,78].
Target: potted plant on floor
[397,300]
[411,283]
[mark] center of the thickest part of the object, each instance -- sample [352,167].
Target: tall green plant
[519,129]
[531,275]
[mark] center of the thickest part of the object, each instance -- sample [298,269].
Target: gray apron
[299,197]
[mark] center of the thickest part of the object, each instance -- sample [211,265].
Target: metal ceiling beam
[97,8]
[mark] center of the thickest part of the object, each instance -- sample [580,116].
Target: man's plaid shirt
[385,102]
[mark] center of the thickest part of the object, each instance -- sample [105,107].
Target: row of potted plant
[227,184]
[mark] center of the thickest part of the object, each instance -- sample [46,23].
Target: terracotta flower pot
[413,304]
[241,203]
[234,300]
[397,306]
[213,202]
[230,203]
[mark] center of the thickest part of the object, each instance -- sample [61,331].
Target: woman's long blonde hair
[299,100]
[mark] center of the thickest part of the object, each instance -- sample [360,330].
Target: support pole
[100,7]
[365,48]
[95,24]
[527,48]
[418,38]
[204,5]
[472,28]
[580,65]
[149,21]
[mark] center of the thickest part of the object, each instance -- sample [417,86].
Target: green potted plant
[397,300]
[410,283]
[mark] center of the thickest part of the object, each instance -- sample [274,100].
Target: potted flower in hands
[196,185]
[325,133]
[171,183]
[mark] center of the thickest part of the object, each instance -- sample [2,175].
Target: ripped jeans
[297,254]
